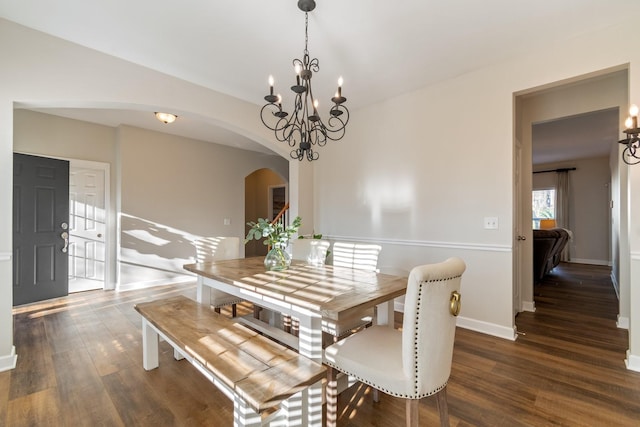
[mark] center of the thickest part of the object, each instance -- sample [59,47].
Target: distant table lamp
[546,224]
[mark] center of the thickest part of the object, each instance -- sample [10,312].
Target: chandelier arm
[291,134]
[629,156]
[318,134]
[271,110]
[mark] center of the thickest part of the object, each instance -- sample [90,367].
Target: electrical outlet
[227,221]
[491,222]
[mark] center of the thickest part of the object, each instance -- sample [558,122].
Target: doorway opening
[266,192]
[78,241]
[88,225]
[572,124]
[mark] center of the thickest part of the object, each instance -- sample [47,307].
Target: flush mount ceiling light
[166,117]
[631,155]
[304,128]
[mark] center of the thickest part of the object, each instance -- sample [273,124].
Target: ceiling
[381,48]
[577,137]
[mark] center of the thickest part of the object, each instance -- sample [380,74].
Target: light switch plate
[491,222]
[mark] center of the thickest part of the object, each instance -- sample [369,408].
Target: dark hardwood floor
[79,364]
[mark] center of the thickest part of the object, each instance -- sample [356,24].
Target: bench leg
[332,397]
[177,355]
[149,346]
[243,414]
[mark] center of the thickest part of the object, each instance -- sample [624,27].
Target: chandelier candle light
[631,155]
[304,128]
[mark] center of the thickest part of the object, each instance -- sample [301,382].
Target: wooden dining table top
[333,292]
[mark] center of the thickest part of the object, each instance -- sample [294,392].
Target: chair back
[428,328]
[312,251]
[217,248]
[362,256]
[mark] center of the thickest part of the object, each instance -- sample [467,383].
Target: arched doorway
[264,191]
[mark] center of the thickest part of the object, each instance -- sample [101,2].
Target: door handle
[65,236]
[522,238]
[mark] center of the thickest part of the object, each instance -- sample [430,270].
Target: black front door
[40,228]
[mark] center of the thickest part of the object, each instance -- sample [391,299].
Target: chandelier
[631,153]
[304,129]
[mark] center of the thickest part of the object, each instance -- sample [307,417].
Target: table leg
[203,292]
[310,345]
[385,314]
[149,346]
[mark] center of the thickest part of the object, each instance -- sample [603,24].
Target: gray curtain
[562,207]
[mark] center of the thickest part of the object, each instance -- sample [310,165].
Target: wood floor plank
[136,401]
[61,331]
[34,367]
[40,408]
[5,382]
[107,351]
[84,401]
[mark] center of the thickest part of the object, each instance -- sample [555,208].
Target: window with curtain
[544,205]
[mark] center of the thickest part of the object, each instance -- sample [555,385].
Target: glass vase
[277,259]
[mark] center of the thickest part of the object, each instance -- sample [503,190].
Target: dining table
[313,294]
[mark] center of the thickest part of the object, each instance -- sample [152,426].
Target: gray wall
[589,217]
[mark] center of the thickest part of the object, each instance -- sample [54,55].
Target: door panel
[40,220]
[88,229]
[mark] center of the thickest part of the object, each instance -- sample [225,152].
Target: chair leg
[216,309]
[443,409]
[332,397]
[412,412]
[286,323]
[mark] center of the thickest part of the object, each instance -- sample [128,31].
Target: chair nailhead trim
[384,390]
[417,324]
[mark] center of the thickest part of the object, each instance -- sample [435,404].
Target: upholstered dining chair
[363,256]
[312,251]
[411,363]
[216,249]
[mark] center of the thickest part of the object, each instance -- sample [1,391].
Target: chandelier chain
[306,33]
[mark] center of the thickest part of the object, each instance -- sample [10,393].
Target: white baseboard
[487,328]
[616,286]
[632,362]
[529,306]
[9,362]
[475,325]
[590,261]
[623,322]
[152,283]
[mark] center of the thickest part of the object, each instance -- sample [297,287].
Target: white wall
[589,211]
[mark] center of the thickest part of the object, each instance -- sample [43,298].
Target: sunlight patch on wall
[390,198]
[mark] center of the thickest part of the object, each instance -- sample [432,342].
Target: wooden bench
[258,374]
